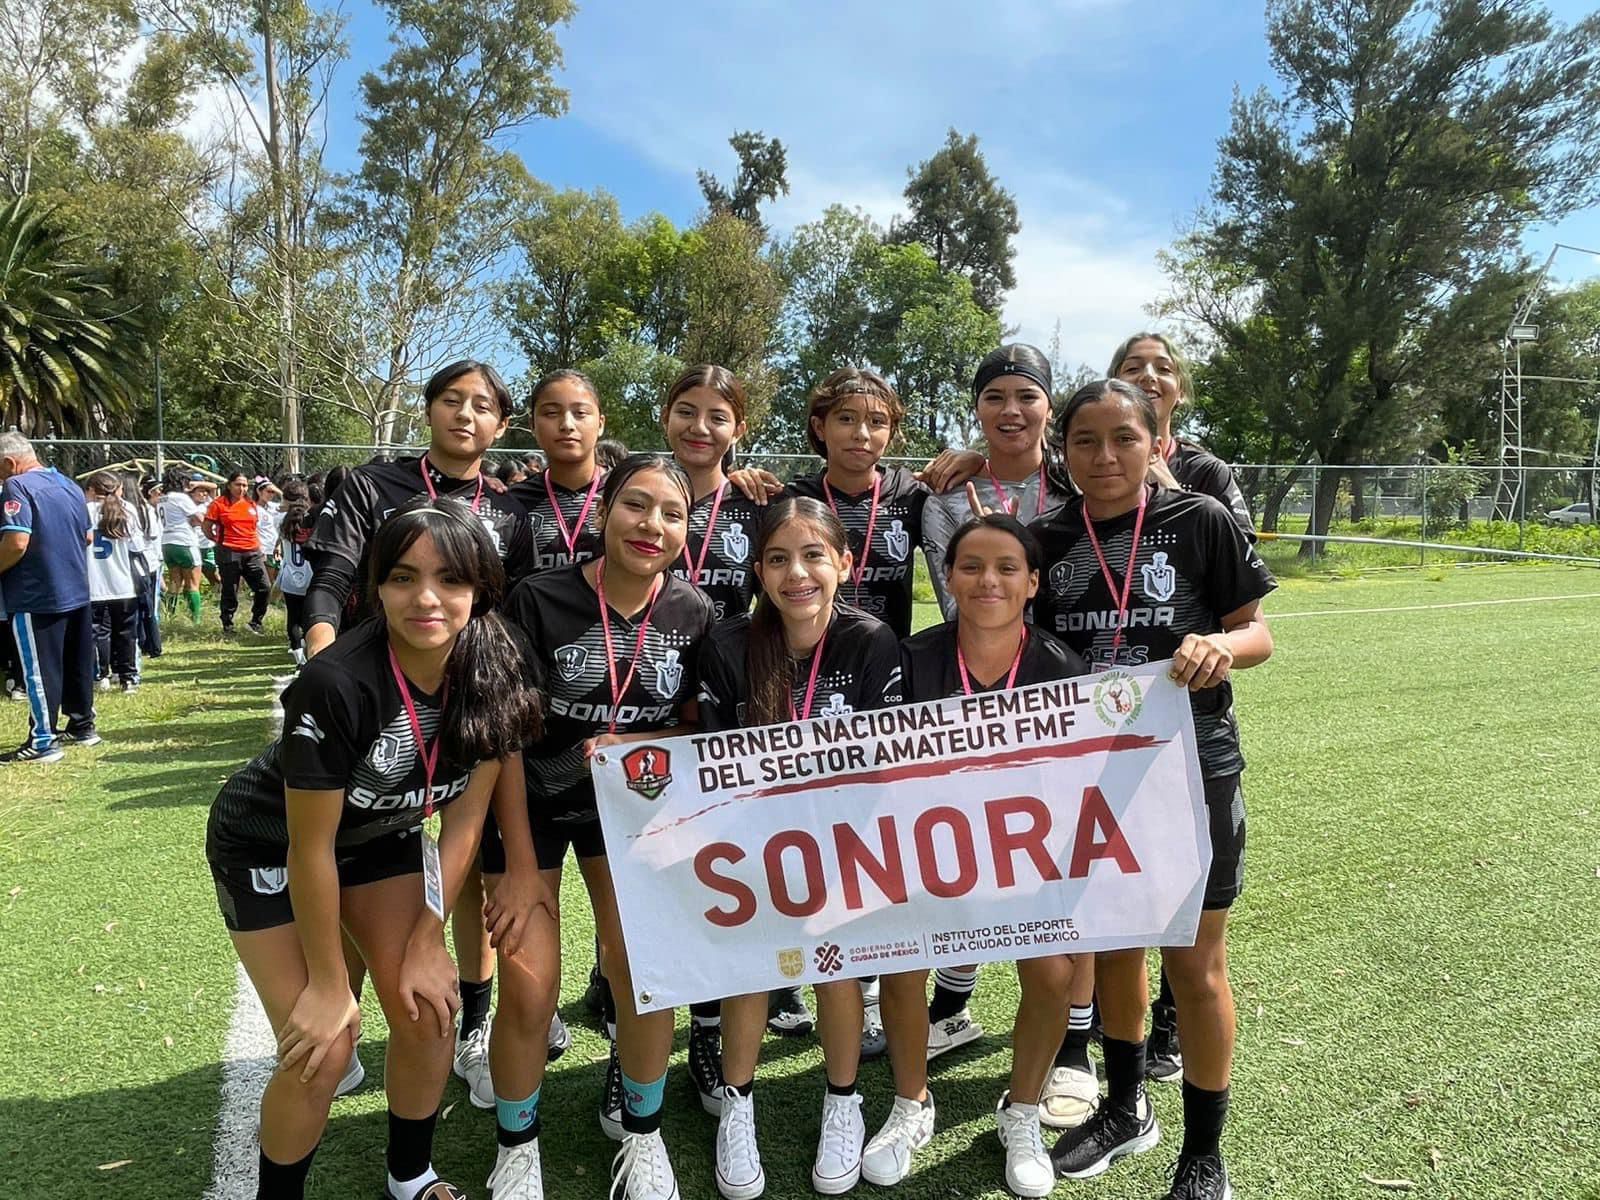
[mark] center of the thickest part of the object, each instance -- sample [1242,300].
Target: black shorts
[253,898]
[550,842]
[1225,810]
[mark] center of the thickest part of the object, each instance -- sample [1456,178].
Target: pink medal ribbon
[422,465]
[1127,578]
[638,646]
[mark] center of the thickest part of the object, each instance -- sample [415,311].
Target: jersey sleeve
[938,527]
[17,508]
[346,523]
[1216,478]
[718,693]
[880,669]
[1236,575]
[322,730]
[521,611]
[521,556]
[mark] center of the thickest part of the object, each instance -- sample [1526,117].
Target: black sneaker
[29,753]
[705,1065]
[256,627]
[1111,1133]
[1163,1059]
[594,996]
[787,1013]
[85,737]
[1200,1177]
[611,1098]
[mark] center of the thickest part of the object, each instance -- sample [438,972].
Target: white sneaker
[1070,1097]
[838,1163]
[951,1032]
[472,1065]
[642,1170]
[559,1040]
[887,1159]
[516,1174]
[1028,1168]
[354,1076]
[739,1173]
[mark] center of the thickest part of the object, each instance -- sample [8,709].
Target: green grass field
[1414,955]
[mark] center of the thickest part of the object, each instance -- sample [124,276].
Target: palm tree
[67,355]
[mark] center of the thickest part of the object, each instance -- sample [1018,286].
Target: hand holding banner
[1060,818]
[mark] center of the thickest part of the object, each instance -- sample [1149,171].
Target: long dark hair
[113,513]
[445,376]
[768,667]
[493,708]
[133,491]
[296,504]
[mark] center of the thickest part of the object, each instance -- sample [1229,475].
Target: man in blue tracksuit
[44,578]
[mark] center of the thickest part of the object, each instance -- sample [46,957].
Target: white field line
[248,1058]
[1353,612]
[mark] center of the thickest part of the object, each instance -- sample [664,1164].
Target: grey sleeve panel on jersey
[938,527]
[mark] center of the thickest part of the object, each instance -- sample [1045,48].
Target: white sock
[869,991]
[410,1189]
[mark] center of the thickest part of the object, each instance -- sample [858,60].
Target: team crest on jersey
[791,963]
[1118,699]
[648,770]
[572,660]
[836,706]
[536,525]
[897,542]
[669,674]
[13,507]
[735,543]
[494,537]
[385,755]
[1160,580]
[1061,578]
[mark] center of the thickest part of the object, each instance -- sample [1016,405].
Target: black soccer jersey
[1198,470]
[1194,566]
[345,728]
[560,613]
[373,492]
[573,513]
[860,670]
[885,578]
[928,669]
[726,566]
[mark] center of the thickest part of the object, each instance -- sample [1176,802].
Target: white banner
[1059,818]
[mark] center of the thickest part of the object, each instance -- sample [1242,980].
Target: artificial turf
[1413,956]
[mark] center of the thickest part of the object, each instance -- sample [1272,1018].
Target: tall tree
[964,218]
[1367,218]
[431,211]
[762,176]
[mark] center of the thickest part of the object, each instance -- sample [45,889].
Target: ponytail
[113,513]
[495,707]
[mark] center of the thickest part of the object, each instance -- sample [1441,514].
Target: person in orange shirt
[232,523]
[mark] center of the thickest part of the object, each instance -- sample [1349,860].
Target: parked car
[1573,514]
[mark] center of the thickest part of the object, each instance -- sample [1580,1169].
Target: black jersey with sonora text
[1194,567]
[929,671]
[351,516]
[727,566]
[345,728]
[550,549]
[885,580]
[560,614]
[859,671]
[1198,470]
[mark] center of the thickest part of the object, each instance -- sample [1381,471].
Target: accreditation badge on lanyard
[432,869]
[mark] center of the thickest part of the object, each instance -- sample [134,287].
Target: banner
[1059,818]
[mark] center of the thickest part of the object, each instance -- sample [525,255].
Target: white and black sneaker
[787,1014]
[1111,1133]
[1200,1177]
[1163,1058]
[517,1173]
[611,1098]
[952,1032]
[909,1127]
[705,1064]
[471,1064]
[739,1173]
[559,1039]
[29,753]
[83,737]
[1029,1171]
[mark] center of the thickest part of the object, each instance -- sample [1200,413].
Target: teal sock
[641,1103]
[517,1121]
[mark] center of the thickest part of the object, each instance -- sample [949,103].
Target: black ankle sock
[1124,1073]
[283,1181]
[744,1089]
[842,1089]
[474,1006]
[410,1145]
[952,988]
[706,1014]
[1074,1050]
[640,1122]
[1204,1115]
[608,1004]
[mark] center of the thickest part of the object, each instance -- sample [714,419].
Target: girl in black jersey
[703,418]
[618,641]
[992,564]
[407,713]
[563,500]
[1136,574]
[799,654]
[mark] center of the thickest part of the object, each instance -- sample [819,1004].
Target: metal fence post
[1423,553]
[1311,519]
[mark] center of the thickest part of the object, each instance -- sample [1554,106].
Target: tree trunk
[1277,492]
[1322,510]
[283,259]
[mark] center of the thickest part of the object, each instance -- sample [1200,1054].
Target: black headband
[989,372]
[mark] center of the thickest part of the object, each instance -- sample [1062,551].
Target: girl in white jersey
[111,589]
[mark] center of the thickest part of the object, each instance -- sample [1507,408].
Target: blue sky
[1100,116]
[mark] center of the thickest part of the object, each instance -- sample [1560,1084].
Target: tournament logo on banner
[1062,818]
